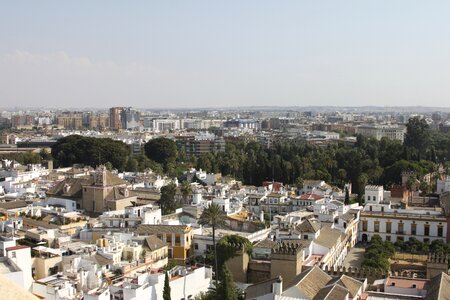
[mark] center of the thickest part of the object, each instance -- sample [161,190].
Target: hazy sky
[224,53]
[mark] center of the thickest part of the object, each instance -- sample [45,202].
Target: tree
[167,200]
[215,217]
[90,151]
[108,166]
[417,136]
[185,189]
[226,289]
[45,155]
[161,150]
[347,196]
[166,290]
[132,165]
[410,184]
[362,182]
[299,184]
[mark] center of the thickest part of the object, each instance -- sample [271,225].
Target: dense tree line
[76,149]
[365,161]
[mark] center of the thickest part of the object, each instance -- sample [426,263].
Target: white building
[392,132]
[16,265]
[185,283]
[131,216]
[443,185]
[379,218]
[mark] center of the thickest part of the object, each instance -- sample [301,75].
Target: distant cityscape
[312,204]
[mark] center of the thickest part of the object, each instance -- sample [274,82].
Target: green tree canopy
[166,290]
[417,137]
[162,150]
[229,246]
[167,200]
[76,149]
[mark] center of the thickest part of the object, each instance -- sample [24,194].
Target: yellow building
[178,238]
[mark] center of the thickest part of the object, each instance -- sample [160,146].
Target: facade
[179,238]
[401,224]
[392,132]
[200,144]
[378,217]
[70,120]
[165,125]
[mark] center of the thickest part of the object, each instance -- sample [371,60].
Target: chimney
[278,286]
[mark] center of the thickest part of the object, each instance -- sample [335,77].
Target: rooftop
[6,267]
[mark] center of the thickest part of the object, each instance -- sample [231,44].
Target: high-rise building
[115,114]
[131,118]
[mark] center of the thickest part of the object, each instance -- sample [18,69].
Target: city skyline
[213,55]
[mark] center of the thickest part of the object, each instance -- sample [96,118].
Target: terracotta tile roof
[308,226]
[332,292]
[352,285]
[153,243]
[145,229]
[310,282]
[74,187]
[13,204]
[328,237]
[266,243]
[313,197]
[439,288]
[18,247]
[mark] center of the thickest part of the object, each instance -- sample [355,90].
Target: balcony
[400,232]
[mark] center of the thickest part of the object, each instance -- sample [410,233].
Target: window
[440,231]
[196,246]
[374,198]
[426,230]
[305,237]
[400,228]
[388,227]
[376,226]
[177,239]
[413,229]
[400,238]
[388,238]
[13,254]
[426,241]
[364,225]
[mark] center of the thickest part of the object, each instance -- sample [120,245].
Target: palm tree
[215,217]
[185,189]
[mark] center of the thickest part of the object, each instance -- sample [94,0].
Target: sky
[197,54]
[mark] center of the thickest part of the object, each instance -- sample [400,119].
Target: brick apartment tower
[115,120]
